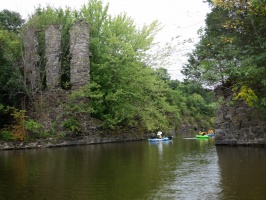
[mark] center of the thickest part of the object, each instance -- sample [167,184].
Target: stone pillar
[32,69]
[79,50]
[52,55]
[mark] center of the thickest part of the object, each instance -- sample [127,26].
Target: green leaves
[247,94]
[10,46]
[231,51]
[11,21]
[11,80]
[72,124]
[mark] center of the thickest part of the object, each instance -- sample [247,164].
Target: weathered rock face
[52,54]
[238,124]
[32,70]
[79,49]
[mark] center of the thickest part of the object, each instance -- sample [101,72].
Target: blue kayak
[160,139]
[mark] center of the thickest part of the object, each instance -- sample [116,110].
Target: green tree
[124,90]
[196,104]
[231,50]
[11,74]
[11,21]
[11,84]
[11,80]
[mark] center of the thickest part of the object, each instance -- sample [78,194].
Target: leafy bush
[72,124]
[34,128]
[6,135]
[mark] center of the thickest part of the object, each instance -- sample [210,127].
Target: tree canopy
[10,55]
[231,51]
[11,21]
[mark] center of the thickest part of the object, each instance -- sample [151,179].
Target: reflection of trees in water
[243,171]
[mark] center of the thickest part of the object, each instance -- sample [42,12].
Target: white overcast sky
[179,17]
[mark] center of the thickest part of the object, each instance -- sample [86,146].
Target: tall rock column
[79,50]
[32,70]
[52,54]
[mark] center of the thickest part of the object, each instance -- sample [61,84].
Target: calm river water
[185,168]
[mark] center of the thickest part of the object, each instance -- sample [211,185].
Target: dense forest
[126,87]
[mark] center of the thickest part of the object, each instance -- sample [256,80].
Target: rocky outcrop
[236,123]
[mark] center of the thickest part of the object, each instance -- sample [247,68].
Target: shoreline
[69,141]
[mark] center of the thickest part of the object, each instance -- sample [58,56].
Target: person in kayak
[210,131]
[160,134]
[202,133]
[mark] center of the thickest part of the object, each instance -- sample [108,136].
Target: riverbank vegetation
[128,87]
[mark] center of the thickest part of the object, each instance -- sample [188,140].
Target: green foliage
[231,51]
[6,135]
[11,79]
[17,128]
[34,128]
[246,94]
[21,128]
[198,104]
[1,108]
[123,90]
[72,124]
[11,21]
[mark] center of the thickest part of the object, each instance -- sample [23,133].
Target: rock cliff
[236,123]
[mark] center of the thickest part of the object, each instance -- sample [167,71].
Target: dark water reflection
[180,169]
[243,174]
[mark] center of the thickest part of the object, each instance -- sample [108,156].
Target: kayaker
[202,133]
[210,131]
[159,134]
